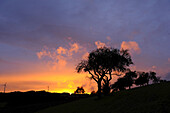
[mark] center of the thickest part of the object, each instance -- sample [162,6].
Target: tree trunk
[99,89]
[129,87]
[147,82]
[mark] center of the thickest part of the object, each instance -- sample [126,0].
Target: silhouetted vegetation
[93,93]
[104,62]
[136,78]
[143,79]
[126,81]
[31,101]
[153,98]
[79,90]
[129,78]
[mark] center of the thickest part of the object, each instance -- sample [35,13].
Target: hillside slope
[149,99]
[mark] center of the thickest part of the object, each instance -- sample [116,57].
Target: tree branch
[105,81]
[96,74]
[110,73]
[92,76]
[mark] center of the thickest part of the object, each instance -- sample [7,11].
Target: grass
[2,104]
[149,99]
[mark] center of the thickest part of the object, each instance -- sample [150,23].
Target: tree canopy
[104,62]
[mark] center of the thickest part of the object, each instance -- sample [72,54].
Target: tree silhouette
[140,80]
[93,93]
[143,78]
[79,90]
[126,81]
[119,85]
[103,62]
[129,78]
[153,77]
[146,77]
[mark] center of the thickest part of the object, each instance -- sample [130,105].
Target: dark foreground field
[149,99]
[31,101]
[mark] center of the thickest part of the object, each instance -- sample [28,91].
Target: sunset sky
[42,41]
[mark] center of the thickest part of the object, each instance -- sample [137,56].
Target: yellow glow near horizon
[57,82]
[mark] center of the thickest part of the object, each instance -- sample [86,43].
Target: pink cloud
[58,57]
[74,48]
[43,52]
[69,38]
[169,60]
[85,56]
[154,67]
[108,38]
[61,50]
[99,44]
[132,46]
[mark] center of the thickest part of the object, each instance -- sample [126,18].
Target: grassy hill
[149,99]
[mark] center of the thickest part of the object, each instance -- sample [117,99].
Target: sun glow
[57,82]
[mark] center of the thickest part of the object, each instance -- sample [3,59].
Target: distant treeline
[31,101]
[135,78]
[38,96]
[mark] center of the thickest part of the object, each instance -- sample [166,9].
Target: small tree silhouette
[103,62]
[142,79]
[129,78]
[126,81]
[93,93]
[145,77]
[79,90]
[119,85]
[153,77]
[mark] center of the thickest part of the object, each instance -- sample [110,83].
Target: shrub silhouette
[79,90]
[93,93]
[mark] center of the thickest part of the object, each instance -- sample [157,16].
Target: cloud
[169,60]
[154,67]
[61,50]
[43,52]
[69,38]
[85,56]
[99,44]
[132,46]
[74,48]
[108,38]
[57,57]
